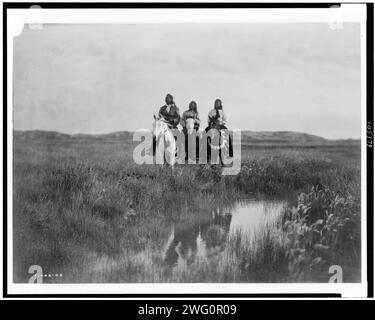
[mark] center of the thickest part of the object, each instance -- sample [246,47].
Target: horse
[190,125]
[190,129]
[165,141]
[218,140]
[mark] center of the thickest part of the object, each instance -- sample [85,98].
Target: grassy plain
[83,209]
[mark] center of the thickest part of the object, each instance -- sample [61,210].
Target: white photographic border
[17,19]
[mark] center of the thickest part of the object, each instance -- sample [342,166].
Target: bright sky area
[270,77]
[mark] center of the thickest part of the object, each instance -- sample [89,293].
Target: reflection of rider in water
[183,244]
[213,232]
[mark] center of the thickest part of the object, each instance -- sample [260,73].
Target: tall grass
[85,210]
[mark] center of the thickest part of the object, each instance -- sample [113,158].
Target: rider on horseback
[170,112]
[192,113]
[217,117]
[190,122]
[217,120]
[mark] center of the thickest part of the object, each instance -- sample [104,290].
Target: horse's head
[162,133]
[159,126]
[190,125]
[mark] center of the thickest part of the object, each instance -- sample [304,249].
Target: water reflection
[203,234]
[193,238]
[203,238]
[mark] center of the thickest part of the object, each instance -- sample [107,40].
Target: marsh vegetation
[83,209]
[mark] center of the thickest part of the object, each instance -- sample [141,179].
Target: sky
[270,76]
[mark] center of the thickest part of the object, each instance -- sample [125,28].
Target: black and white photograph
[187,150]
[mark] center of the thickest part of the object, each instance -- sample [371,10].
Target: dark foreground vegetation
[83,209]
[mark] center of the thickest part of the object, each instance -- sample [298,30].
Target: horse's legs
[208,149]
[170,156]
[230,145]
[197,148]
[186,145]
[225,150]
[153,145]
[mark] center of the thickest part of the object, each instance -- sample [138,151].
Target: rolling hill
[248,137]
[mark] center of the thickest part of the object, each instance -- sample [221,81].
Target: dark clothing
[170,114]
[217,117]
[215,126]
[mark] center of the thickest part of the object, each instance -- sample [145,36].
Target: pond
[197,243]
[208,236]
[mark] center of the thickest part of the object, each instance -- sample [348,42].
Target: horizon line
[130,131]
